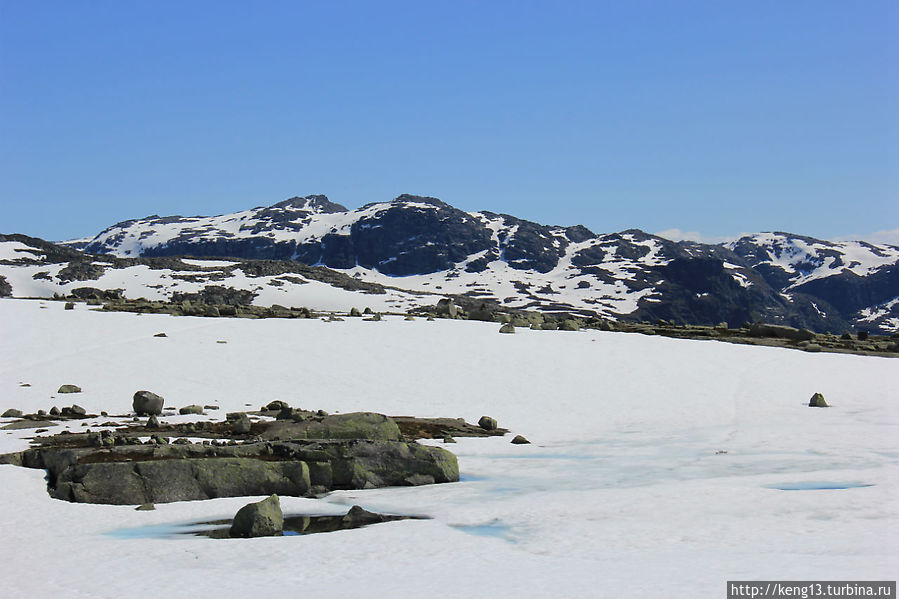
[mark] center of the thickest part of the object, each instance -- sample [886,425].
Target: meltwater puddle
[495,529]
[812,485]
[295,525]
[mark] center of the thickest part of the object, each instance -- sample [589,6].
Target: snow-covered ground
[653,470]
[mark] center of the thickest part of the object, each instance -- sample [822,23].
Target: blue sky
[713,117]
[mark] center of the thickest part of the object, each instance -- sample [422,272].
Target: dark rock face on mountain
[631,275]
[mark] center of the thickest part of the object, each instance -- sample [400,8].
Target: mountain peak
[317,203]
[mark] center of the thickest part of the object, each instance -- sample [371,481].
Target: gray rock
[145,507]
[277,405]
[69,389]
[812,347]
[817,401]
[76,410]
[147,403]
[12,413]
[520,440]
[355,312]
[261,519]
[449,439]
[446,309]
[191,409]
[54,411]
[354,425]
[487,423]
[69,306]
[160,335]
[152,422]
[570,325]
[242,425]
[507,328]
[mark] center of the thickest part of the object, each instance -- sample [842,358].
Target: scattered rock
[487,423]
[520,440]
[12,413]
[355,312]
[25,385]
[817,401]
[570,325]
[191,409]
[69,389]
[277,405]
[507,328]
[70,306]
[812,347]
[145,507]
[448,439]
[210,407]
[221,341]
[76,410]
[261,519]
[160,335]
[152,422]
[147,403]
[54,411]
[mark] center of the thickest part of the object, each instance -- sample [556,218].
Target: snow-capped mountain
[421,244]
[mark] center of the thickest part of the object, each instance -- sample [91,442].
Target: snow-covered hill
[658,467]
[422,244]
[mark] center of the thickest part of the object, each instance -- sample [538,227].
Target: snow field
[626,490]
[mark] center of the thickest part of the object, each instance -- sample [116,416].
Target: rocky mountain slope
[421,244]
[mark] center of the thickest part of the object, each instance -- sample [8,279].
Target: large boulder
[12,413]
[69,389]
[261,519]
[147,403]
[137,474]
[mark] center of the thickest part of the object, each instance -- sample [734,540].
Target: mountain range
[419,247]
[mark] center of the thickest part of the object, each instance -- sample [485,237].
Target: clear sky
[717,117]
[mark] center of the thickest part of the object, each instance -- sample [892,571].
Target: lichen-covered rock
[241,425]
[520,440]
[261,519]
[147,403]
[191,409]
[69,389]
[817,401]
[507,328]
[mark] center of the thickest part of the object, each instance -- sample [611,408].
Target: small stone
[70,306]
[210,407]
[69,389]
[12,413]
[487,423]
[358,516]
[221,341]
[812,347]
[145,507]
[520,440]
[817,401]
[160,335]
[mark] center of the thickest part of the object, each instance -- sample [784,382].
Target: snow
[16,250]
[625,491]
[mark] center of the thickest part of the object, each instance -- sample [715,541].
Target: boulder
[147,403]
[76,410]
[241,425]
[817,401]
[191,409]
[507,328]
[760,329]
[261,519]
[69,389]
[277,405]
[54,411]
[446,309]
[12,413]
[520,440]
[487,423]
[355,312]
[152,422]
[69,306]
[570,325]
